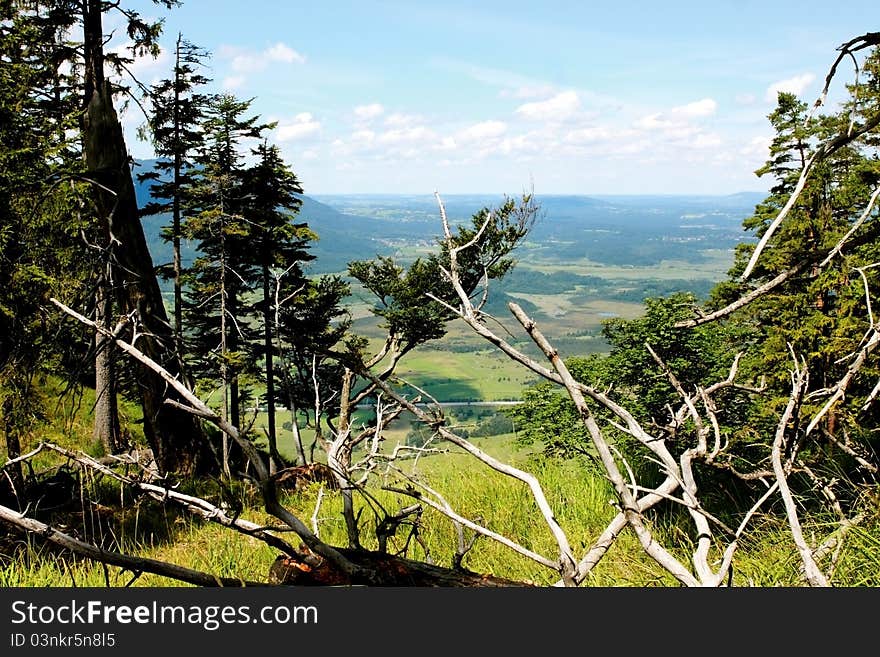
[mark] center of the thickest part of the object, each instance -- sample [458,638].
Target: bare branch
[630,507]
[134,564]
[813,574]
[267,486]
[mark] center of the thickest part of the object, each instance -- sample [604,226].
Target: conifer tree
[173,127]
[216,307]
[27,261]
[817,312]
[310,324]
[279,248]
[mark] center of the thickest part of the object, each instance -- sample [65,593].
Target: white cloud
[483,130]
[398,120]
[696,109]
[447,144]
[793,85]
[677,119]
[232,82]
[303,125]
[757,147]
[244,62]
[523,144]
[528,91]
[562,106]
[283,53]
[653,122]
[363,136]
[706,140]
[599,133]
[367,112]
[406,135]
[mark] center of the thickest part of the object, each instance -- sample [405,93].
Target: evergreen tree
[129,285]
[219,335]
[819,314]
[311,323]
[278,249]
[173,127]
[25,277]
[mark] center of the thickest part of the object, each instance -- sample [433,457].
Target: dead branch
[824,151]
[630,507]
[133,564]
[389,569]
[267,487]
[317,562]
[195,505]
[530,480]
[813,574]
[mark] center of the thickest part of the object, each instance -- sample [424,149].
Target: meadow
[579,496]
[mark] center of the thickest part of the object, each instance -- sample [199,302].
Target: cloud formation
[301,126]
[368,112]
[793,85]
[243,62]
[560,107]
[696,109]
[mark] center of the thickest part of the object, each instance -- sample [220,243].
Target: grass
[464,376]
[580,499]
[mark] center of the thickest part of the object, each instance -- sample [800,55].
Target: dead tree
[329,564]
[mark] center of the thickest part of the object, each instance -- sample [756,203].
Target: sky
[504,97]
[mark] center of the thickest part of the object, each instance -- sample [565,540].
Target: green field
[713,264]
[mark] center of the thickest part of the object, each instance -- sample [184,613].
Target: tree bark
[106,429]
[177,439]
[16,475]
[175,210]
[275,460]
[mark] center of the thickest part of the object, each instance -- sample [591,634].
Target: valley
[585,261]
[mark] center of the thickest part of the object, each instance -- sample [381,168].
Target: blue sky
[499,97]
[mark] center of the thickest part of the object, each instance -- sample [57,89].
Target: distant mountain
[632,230]
[341,237]
[346,237]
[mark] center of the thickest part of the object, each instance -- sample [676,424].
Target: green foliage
[218,334]
[818,317]
[697,357]
[174,129]
[40,219]
[413,317]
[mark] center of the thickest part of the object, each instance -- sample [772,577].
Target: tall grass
[580,497]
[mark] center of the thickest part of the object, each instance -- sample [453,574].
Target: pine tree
[177,109]
[216,307]
[279,248]
[310,324]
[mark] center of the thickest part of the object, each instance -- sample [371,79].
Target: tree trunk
[341,453]
[178,441]
[16,476]
[383,570]
[175,210]
[275,461]
[106,429]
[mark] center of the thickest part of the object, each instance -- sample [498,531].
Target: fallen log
[309,569]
